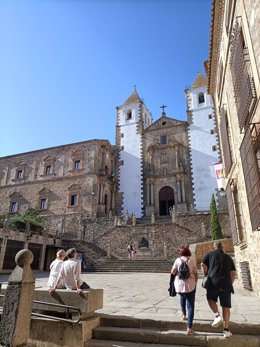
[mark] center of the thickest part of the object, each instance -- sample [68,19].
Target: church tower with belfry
[203,142]
[132,118]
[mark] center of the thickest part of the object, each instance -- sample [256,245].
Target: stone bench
[87,301]
[48,332]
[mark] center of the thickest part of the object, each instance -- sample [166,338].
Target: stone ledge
[87,301]
[49,333]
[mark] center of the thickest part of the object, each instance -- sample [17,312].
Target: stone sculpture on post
[17,307]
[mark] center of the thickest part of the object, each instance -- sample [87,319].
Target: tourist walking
[55,268]
[70,273]
[220,269]
[130,251]
[186,278]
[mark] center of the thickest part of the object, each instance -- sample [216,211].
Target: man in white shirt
[70,273]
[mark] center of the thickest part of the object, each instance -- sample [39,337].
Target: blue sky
[66,64]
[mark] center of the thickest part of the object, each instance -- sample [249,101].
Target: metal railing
[43,315]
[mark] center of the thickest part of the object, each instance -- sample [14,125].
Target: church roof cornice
[93,141]
[165,122]
[216,27]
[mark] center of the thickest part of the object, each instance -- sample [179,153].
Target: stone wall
[101,234]
[202,248]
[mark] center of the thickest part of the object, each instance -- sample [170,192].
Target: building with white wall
[132,118]
[203,142]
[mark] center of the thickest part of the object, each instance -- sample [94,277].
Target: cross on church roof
[163,107]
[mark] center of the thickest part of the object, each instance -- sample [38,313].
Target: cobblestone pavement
[145,295]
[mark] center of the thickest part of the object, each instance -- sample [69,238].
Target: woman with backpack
[186,278]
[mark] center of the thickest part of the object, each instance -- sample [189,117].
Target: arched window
[129,115]
[201,98]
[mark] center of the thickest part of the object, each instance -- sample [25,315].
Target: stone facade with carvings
[65,184]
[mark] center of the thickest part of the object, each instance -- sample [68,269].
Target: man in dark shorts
[221,270]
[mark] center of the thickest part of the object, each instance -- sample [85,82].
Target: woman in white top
[55,268]
[186,288]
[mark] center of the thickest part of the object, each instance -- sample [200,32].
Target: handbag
[206,282]
[171,289]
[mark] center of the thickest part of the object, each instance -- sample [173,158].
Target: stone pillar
[17,307]
[2,253]
[108,252]
[183,191]
[152,218]
[203,229]
[173,216]
[115,221]
[42,257]
[148,194]
[164,251]
[134,220]
[152,192]
[178,192]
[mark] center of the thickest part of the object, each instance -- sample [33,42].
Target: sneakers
[217,321]
[227,333]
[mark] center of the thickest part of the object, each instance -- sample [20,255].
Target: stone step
[198,325]
[174,337]
[131,266]
[112,343]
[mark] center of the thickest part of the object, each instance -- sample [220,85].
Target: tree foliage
[215,227]
[2,220]
[31,217]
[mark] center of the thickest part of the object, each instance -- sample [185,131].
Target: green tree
[31,217]
[215,227]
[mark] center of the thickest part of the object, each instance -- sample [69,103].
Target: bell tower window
[201,98]
[129,115]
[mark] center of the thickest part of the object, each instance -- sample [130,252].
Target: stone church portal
[166,200]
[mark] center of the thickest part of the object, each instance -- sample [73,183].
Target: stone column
[152,192]
[164,251]
[108,252]
[173,216]
[2,254]
[203,229]
[43,250]
[183,191]
[115,221]
[178,192]
[17,307]
[134,220]
[148,193]
[152,218]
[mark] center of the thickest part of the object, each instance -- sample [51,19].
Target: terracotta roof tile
[200,81]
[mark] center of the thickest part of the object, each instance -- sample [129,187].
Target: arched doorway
[166,200]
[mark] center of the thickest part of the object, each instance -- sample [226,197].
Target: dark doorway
[166,200]
[35,248]
[12,248]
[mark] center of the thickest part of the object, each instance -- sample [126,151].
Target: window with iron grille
[225,139]
[249,152]
[246,275]
[243,82]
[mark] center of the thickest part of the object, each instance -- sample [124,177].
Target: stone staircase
[120,331]
[126,265]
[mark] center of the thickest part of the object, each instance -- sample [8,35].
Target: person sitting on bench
[70,273]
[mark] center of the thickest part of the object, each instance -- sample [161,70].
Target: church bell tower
[132,118]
